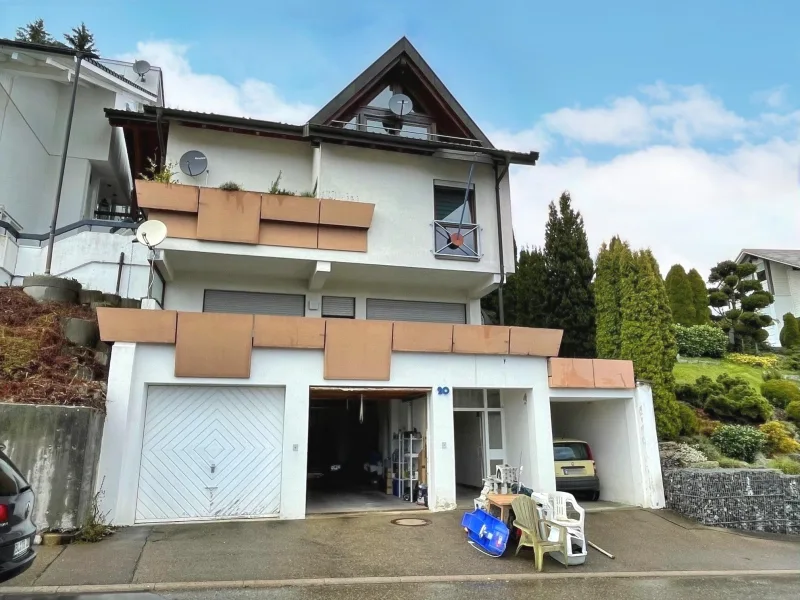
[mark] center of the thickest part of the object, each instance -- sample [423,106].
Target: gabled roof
[786,257]
[402,51]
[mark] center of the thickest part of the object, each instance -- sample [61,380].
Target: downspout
[498,177]
[52,237]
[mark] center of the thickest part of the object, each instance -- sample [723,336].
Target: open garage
[612,437]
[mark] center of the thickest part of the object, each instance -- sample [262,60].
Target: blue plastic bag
[487,532]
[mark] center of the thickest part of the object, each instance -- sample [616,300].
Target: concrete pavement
[371,546]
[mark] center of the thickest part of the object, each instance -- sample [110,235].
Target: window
[455,229]
[376,117]
[254,303]
[337,307]
[761,275]
[382,309]
[570,451]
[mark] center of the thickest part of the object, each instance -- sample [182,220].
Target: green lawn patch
[710,367]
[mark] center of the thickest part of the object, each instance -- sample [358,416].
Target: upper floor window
[376,117]
[455,229]
[761,275]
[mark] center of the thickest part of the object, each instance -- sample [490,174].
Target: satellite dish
[193,163]
[140,67]
[400,104]
[151,233]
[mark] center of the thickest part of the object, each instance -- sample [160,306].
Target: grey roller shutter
[412,310]
[254,303]
[338,306]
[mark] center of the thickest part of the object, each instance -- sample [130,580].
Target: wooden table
[503,503]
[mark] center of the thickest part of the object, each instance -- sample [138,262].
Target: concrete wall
[56,448]
[517,442]
[400,186]
[90,257]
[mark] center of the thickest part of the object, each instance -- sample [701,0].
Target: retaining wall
[56,448]
[748,499]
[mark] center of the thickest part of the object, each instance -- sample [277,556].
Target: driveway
[371,546]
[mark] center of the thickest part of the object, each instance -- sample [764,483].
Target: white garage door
[210,453]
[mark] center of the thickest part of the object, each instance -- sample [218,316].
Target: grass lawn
[689,372]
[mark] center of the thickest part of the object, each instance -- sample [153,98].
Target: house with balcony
[314,342]
[92,244]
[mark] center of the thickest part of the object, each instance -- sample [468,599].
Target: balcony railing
[451,240]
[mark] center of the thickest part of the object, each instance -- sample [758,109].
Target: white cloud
[187,89]
[773,97]
[689,205]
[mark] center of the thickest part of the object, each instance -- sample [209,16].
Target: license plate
[21,547]
[571,470]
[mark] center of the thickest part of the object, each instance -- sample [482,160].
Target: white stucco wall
[92,258]
[400,185]
[186,291]
[786,289]
[135,366]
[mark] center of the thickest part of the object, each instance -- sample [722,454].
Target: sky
[674,125]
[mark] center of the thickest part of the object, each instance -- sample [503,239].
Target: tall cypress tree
[531,281]
[681,296]
[568,296]
[613,261]
[647,339]
[702,312]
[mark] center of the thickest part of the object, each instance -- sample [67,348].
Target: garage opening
[366,450]
[595,449]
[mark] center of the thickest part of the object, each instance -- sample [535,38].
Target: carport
[624,449]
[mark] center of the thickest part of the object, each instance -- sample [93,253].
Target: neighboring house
[35,94]
[294,332]
[779,272]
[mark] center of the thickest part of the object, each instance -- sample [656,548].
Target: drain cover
[409,522]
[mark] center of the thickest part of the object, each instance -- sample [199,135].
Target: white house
[327,317]
[35,94]
[779,272]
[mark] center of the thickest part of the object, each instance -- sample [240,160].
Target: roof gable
[786,257]
[403,63]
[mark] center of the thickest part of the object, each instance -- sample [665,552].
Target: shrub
[732,463]
[793,411]
[739,441]
[688,418]
[780,392]
[791,361]
[231,186]
[701,340]
[790,332]
[704,445]
[768,361]
[771,374]
[733,398]
[780,439]
[785,464]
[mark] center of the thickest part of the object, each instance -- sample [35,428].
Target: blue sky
[654,117]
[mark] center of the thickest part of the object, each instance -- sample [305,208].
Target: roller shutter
[254,303]
[412,310]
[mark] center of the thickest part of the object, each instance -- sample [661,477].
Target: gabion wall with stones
[749,499]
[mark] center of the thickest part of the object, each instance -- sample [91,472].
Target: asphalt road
[692,588]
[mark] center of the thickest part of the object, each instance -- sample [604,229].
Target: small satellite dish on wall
[151,233]
[400,104]
[193,163]
[140,67]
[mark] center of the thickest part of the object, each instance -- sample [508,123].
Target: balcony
[454,241]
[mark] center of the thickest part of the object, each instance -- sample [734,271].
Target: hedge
[701,340]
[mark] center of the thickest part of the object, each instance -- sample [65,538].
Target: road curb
[176,586]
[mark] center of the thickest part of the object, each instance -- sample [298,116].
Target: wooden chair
[536,532]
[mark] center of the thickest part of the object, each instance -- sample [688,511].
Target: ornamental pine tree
[699,298]
[681,296]
[568,297]
[737,299]
[790,332]
[81,39]
[646,337]
[613,263]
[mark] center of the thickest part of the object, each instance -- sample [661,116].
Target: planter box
[166,196]
[47,288]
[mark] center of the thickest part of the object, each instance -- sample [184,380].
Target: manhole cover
[411,522]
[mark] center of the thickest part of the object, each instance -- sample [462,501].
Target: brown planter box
[293,235]
[480,339]
[290,209]
[342,238]
[358,349]
[179,225]
[228,216]
[422,337]
[166,196]
[345,213]
[571,372]
[213,345]
[137,325]
[526,341]
[288,332]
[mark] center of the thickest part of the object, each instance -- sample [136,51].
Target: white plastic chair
[559,502]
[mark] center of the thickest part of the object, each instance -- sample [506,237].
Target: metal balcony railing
[451,240]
